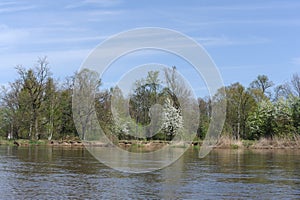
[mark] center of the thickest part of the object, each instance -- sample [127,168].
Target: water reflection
[59,172]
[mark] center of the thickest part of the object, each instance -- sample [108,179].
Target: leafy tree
[270,119]
[105,107]
[10,103]
[33,84]
[50,110]
[283,125]
[261,121]
[145,94]
[172,119]
[240,103]
[295,107]
[65,115]
[204,119]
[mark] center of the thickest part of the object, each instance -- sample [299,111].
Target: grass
[228,142]
[234,146]
[248,143]
[224,142]
[23,142]
[277,143]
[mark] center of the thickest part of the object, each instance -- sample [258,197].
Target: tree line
[36,106]
[259,110]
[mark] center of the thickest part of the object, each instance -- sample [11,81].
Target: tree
[288,89]
[295,107]
[270,120]
[11,104]
[261,121]
[172,120]
[33,84]
[65,122]
[205,114]
[103,107]
[295,82]
[282,91]
[86,84]
[181,95]
[176,87]
[239,104]
[262,83]
[146,93]
[50,109]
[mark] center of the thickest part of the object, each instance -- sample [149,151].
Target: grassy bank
[262,143]
[25,142]
[223,142]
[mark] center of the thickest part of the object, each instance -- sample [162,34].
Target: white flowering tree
[172,119]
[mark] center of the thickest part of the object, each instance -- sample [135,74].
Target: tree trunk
[36,127]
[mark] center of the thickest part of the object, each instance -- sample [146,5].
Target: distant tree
[66,124]
[262,83]
[172,119]
[181,95]
[295,82]
[282,91]
[86,85]
[111,108]
[239,104]
[261,121]
[33,83]
[10,103]
[50,110]
[283,120]
[295,107]
[204,118]
[146,93]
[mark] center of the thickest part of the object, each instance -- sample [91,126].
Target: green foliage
[35,106]
[270,120]
[296,114]
[261,121]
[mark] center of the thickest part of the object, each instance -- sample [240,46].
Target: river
[40,172]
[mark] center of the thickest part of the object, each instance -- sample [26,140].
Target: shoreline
[223,143]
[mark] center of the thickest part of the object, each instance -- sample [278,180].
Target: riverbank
[223,143]
[262,143]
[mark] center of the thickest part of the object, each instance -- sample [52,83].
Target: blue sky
[244,38]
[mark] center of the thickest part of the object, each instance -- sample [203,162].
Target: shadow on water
[72,172]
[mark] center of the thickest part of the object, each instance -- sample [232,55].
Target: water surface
[72,173]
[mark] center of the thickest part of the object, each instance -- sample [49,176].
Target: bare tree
[86,84]
[282,91]
[295,82]
[262,82]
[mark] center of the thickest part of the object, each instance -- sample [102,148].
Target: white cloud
[100,3]
[6,3]
[242,6]
[65,40]
[9,9]
[226,41]
[9,36]
[268,22]
[296,61]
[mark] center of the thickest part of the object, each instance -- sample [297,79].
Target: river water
[72,173]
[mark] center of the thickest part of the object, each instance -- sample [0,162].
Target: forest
[37,106]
